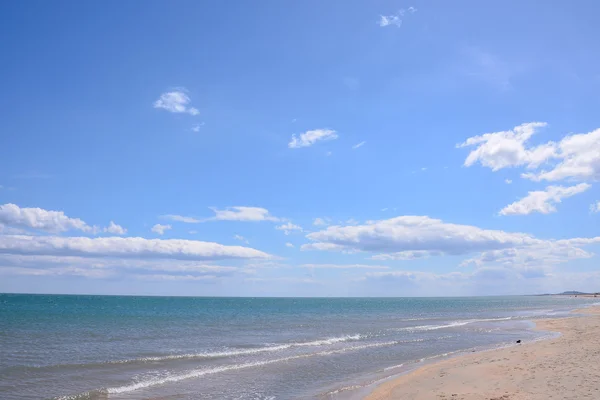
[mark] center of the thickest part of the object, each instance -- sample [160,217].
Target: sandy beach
[566,367]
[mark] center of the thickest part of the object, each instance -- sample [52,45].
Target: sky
[278,148]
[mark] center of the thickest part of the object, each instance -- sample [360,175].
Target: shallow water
[126,347]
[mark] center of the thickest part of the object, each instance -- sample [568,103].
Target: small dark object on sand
[519,341]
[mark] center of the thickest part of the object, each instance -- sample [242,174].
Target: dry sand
[567,367]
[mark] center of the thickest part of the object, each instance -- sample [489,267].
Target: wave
[449,325]
[202,372]
[241,352]
[208,354]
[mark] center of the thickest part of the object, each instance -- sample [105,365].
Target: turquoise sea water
[125,347]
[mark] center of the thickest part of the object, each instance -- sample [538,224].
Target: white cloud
[40,219]
[575,157]
[407,255]
[196,127]
[595,208]
[543,201]
[176,102]
[579,157]
[160,228]
[343,266]
[115,264]
[74,271]
[241,239]
[288,228]
[357,145]
[395,19]
[115,229]
[414,233]
[329,153]
[508,181]
[500,256]
[239,213]
[181,218]
[288,244]
[320,222]
[544,253]
[323,246]
[130,247]
[508,148]
[412,276]
[309,138]
[387,20]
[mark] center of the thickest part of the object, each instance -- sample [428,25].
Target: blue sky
[312,148]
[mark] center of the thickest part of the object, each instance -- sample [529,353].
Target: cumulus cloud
[115,229]
[288,244]
[504,149]
[40,219]
[595,208]
[575,157]
[414,233]
[160,228]
[579,159]
[130,247]
[508,181]
[543,201]
[176,101]
[309,138]
[288,228]
[357,145]
[239,213]
[412,237]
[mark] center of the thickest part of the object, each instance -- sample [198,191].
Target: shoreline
[539,369]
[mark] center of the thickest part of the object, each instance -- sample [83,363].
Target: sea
[130,347]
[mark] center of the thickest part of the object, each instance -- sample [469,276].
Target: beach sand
[567,367]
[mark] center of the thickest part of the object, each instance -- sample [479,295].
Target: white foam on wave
[393,367]
[449,325]
[242,352]
[202,372]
